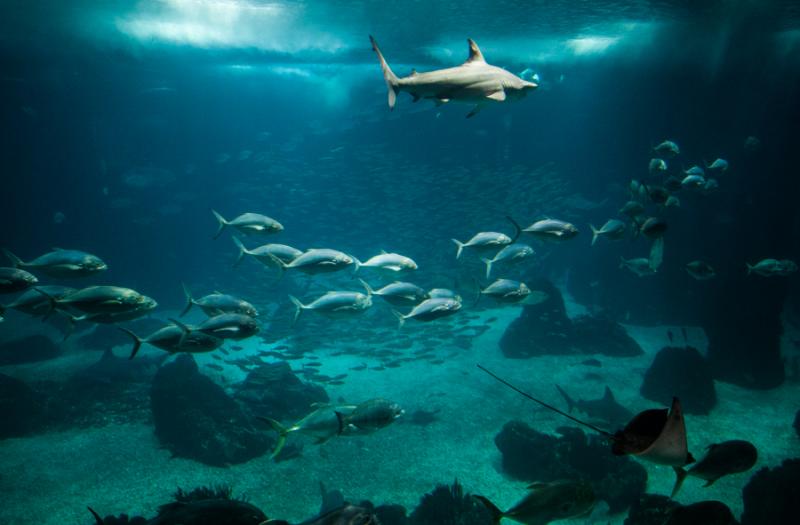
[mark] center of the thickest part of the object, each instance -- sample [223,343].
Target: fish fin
[608,394]
[366,286]
[595,233]
[16,262]
[569,400]
[185,328]
[488,263]
[300,307]
[137,341]
[97,517]
[475,110]
[496,513]
[356,264]
[242,250]
[401,320]
[342,423]
[475,55]
[388,75]
[53,304]
[222,223]
[460,248]
[189,300]
[282,433]
[749,268]
[498,96]
[710,482]
[680,476]
[537,485]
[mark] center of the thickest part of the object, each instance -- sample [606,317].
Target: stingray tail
[495,512]
[680,476]
[392,83]
[282,433]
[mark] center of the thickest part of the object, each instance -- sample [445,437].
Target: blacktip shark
[474,82]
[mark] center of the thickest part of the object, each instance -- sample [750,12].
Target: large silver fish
[61,264]
[430,309]
[102,300]
[317,260]
[264,254]
[510,253]
[388,261]
[173,338]
[33,302]
[507,291]
[483,241]
[400,293]
[474,82]
[335,304]
[15,280]
[322,423]
[218,303]
[223,326]
[249,224]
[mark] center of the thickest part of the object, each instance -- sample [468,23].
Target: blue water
[125,123]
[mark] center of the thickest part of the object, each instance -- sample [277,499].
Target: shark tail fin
[137,341]
[16,262]
[460,246]
[222,223]
[388,75]
[488,263]
[595,233]
[189,300]
[496,513]
[569,400]
[282,433]
[242,250]
[680,475]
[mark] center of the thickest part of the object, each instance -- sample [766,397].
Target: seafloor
[120,468]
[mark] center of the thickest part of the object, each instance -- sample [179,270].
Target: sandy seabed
[50,479]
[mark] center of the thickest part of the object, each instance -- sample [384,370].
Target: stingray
[655,435]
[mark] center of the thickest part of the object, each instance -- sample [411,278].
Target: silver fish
[430,309]
[15,280]
[322,423]
[551,230]
[388,261]
[657,166]
[222,326]
[400,293]
[264,254]
[719,165]
[102,300]
[249,224]
[218,303]
[316,261]
[335,304]
[613,229]
[481,241]
[33,302]
[700,270]
[510,253]
[474,81]
[370,416]
[507,291]
[668,148]
[773,267]
[61,264]
[547,502]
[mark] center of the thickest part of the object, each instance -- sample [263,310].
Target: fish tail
[98,520]
[392,83]
[189,300]
[356,264]
[488,263]
[137,341]
[496,513]
[242,250]
[569,400]
[299,307]
[341,420]
[401,320]
[680,476]
[53,304]
[16,262]
[282,433]
[222,223]
[460,246]
[749,268]
[366,286]
[595,233]
[279,263]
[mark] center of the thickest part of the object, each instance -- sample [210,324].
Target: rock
[771,495]
[449,505]
[22,409]
[702,513]
[28,350]
[650,509]
[391,514]
[683,373]
[529,455]
[195,418]
[545,329]
[273,390]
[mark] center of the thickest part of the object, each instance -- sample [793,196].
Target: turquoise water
[125,124]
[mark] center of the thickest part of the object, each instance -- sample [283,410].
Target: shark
[474,82]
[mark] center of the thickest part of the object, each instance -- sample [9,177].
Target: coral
[449,505]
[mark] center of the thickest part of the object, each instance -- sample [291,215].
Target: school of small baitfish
[233,318]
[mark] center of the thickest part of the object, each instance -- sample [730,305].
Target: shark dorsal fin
[475,54]
[608,395]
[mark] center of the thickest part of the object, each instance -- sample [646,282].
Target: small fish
[510,253]
[668,148]
[719,165]
[265,254]
[653,227]
[15,280]
[218,303]
[693,182]
[632,209]
[657,194]
[249,224]
[429,310]
[613,230]
[61,264]
[657,166]
[772,267]
[388,261]
[722,459]
[507,291]
[551,230]
[335,304]
[640,266]
[482,241]
[672,202]
[695,170]
[223,326]
[700,270]
[546,502]
[400,293]
[216,367]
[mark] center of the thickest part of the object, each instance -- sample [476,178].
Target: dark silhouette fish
[728,457]
[345,515]
[605,409]
[656,435]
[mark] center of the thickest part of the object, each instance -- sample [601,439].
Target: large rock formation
[772,494]
[683,373]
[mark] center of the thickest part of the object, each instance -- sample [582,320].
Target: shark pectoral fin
[475,110]
[498,96]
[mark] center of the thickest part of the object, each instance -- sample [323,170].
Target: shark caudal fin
[282,433]
[388,75]
[222,223]
[137,341]
[496,513]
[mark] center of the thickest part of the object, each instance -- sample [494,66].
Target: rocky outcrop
[273,390]
[683,373]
